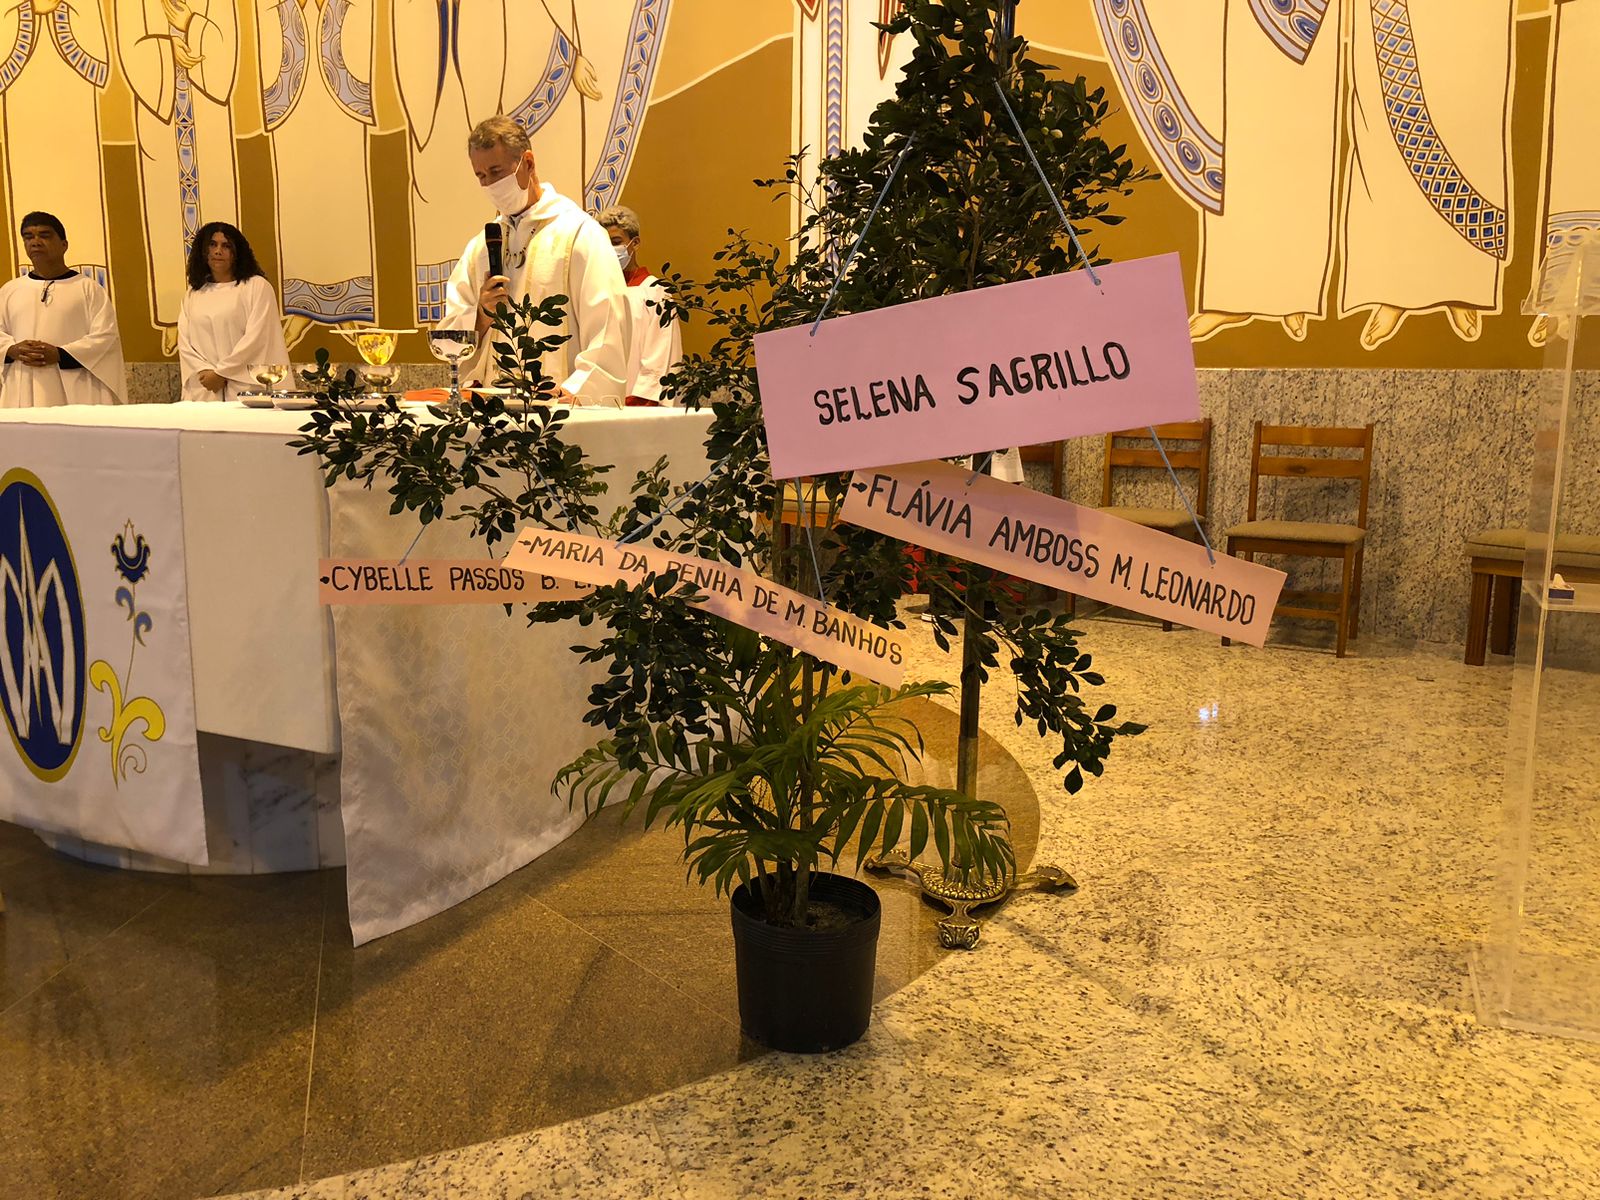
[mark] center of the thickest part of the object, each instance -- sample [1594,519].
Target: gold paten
[960,930]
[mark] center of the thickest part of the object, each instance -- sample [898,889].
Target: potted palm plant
[774,765]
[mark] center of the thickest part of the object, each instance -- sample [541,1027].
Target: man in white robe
[550,247]
[58,330]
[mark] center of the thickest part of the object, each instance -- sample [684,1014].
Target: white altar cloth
[461,716]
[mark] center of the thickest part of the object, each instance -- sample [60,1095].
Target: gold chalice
[269,375]
[376,346]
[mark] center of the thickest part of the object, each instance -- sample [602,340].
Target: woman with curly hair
[230,317]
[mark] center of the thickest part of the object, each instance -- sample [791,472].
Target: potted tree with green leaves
[773,765]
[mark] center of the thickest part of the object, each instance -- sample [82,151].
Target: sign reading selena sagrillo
[1064,545]
[1013,365]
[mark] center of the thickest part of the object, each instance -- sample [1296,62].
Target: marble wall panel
[1452,456]
[159,383]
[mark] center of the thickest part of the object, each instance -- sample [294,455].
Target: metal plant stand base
[960,930]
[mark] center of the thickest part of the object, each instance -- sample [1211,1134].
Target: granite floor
[172,1037]
[1261,990]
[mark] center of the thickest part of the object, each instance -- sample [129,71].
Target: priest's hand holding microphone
[497,291]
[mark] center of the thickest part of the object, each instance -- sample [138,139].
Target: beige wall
[718,116]
[735,85]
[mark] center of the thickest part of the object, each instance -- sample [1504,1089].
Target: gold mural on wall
[303,109]
[1333,170]
[331,131]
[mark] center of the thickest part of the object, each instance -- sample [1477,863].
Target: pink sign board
[1064,545]
[436,581]
[1014,365]
[742,597]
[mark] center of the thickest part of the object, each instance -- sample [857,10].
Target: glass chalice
[453,346]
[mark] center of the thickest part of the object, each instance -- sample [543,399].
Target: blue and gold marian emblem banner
[96,685]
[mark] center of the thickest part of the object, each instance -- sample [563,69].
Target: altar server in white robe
[657,347]
[230,316]
[551,247]
[58,331]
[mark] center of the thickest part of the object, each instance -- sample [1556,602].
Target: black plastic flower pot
[807,990]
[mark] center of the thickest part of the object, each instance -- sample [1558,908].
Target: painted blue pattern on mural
[1470,213]
[627,113]
[833,56]
[188,158]
[353,299]
[354,95]
[432,281]
[22,49]
[279,100]
[1293,25]
[537,107]
[1190,155]
[93,70]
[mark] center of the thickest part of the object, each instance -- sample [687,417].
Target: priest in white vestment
[230,317]
[550,247]
[58,331]
[657,347]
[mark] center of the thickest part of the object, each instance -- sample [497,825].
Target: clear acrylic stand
[1539,967]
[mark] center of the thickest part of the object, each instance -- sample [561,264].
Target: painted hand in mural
[179,14]
[585,79]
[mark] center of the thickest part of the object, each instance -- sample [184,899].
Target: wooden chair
[805,503]
[1054,453]
[1496,556]
[1311,538]
[1144,455]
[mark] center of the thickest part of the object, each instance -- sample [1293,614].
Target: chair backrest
[1143,453]
[1284,463]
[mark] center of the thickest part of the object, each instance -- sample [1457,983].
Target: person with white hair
[657,340]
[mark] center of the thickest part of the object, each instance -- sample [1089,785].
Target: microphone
[492,238]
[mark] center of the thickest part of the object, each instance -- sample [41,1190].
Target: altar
[417,745]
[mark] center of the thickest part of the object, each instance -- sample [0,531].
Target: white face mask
[623,255]
[507,195]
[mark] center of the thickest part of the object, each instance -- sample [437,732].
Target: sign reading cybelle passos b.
[1014,365]
[436,581]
